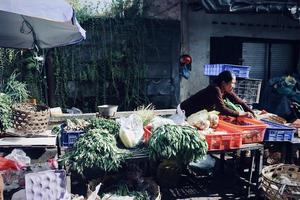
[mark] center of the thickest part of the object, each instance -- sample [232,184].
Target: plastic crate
[278,132]
[215,69]
[68,138]
[223,141]
[253,130]
[248,90]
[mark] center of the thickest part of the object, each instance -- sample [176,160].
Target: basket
[281,188]
[216,69]
[253,130]
[278,132]
[248,89]
[223,141]
[29,118]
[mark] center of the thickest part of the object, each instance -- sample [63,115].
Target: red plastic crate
[253,130]
[223,141]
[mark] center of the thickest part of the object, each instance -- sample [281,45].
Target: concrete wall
[202,26]
[166,9]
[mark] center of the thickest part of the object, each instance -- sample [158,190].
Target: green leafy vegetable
[102,123]
[236,107]
[123,190]
[181,143]
[16,90]
[5,112]
[96,148]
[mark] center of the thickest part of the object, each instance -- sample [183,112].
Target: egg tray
[46,185]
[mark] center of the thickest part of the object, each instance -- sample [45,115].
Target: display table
[254,169]
[40,149]
[255,152]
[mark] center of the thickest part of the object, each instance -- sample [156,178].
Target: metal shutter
[281,59]
[254,55]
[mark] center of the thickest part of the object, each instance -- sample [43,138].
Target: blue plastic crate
[215,69]
[68,138]
[278,132]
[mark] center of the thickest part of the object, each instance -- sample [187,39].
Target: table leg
[258,168]
[251,173]
[222,158]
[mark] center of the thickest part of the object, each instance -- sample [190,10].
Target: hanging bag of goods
[29,118]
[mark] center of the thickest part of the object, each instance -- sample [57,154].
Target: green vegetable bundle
[5,111]
[236,107]
[181,143]
[95,149]
[112,126]
[16,89]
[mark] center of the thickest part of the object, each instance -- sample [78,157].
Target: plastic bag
[206,163]
[94,194]
[179,117]
[131,130]
[19,156]
[6,164]
[159,121]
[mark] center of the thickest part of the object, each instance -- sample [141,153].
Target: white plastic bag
[179,117]
[158,121]
[131,130]
[94,194]
[19,156]
[206,163]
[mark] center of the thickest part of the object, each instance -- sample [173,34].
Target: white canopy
[46,24]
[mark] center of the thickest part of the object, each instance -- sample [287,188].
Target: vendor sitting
[213,96]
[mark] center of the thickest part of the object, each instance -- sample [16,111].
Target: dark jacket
[210,99]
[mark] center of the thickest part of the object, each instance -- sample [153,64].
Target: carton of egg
[46,185]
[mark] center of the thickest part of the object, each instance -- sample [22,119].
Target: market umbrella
[27,24]
[39,24]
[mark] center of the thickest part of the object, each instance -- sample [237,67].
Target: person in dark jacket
[212,98]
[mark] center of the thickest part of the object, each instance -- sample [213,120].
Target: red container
[223,141]
[252,129]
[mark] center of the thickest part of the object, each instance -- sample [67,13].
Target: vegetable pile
[181,143]
[96,148]
[13,92]
[5,112]
[236,107]
[110,125]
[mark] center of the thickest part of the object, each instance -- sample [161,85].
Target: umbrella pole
[49,91]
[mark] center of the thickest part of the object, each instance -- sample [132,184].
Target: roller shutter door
[281,60]
[254,55]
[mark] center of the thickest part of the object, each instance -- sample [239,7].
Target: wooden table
[40,148]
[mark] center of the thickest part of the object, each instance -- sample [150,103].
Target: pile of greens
[180,143]
[235,107]
[123,190]
[13,92]
[95,149]
[16,90]
[5,112]
[101,123]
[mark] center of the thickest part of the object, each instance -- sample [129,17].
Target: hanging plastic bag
[131,130]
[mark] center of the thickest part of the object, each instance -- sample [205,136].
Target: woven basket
[29,118]
[281,182]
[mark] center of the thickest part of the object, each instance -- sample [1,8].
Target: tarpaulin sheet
[290,7]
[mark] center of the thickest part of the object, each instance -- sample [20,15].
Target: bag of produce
[131,130]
